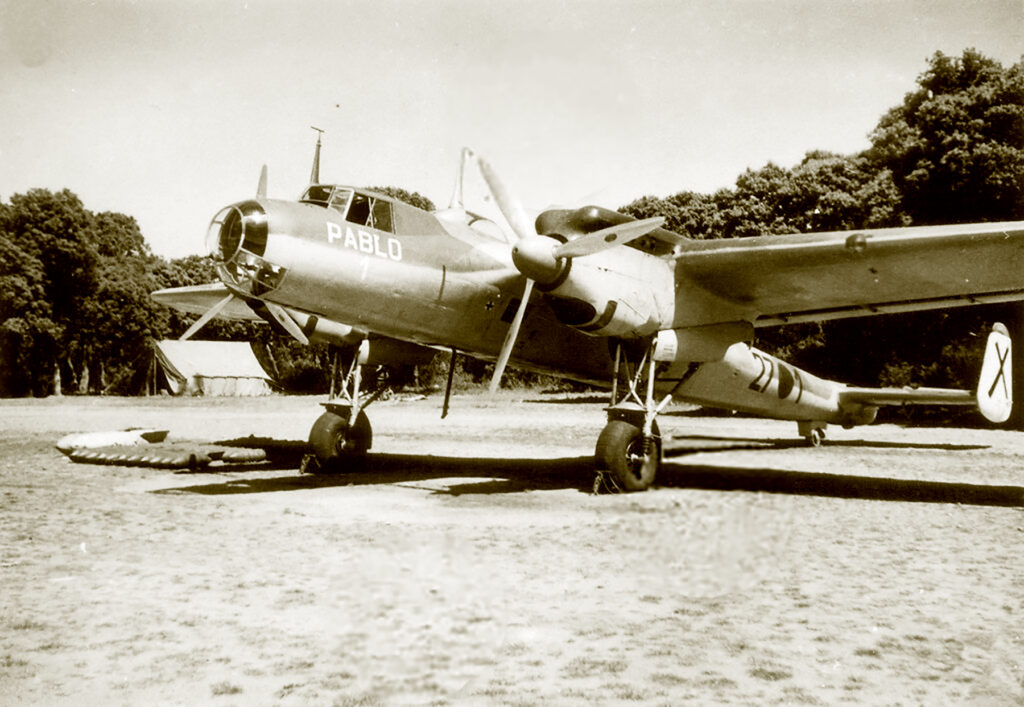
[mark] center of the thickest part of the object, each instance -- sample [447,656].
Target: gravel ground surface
[469,564]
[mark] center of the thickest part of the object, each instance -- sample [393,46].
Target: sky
[166,110]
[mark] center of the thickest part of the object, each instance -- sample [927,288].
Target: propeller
[542,258]
[282,317]
[513,212]
[207,316]
[261,187]
[608,238]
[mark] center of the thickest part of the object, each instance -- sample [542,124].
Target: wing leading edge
[772,280]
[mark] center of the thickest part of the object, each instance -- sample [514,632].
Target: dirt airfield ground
[471,564]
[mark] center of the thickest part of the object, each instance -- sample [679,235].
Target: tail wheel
[622,450]
[334,439]
[816,437]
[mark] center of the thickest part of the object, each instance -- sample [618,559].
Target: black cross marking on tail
[1001,376]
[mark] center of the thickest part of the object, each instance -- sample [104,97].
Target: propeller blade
[282,317]
[607,238]
[205,319]
[507,203]
[510,337]
[261,188]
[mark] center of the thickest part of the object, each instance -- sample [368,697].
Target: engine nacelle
[610,293]
[602,302]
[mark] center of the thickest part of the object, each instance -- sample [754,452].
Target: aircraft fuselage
[428,280]
[438,281]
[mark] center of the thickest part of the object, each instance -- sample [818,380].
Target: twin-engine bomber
[591,295]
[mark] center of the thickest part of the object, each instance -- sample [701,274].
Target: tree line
[951,152]
[75,312]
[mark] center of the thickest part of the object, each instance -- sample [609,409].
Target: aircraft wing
[199,299]
[772,280]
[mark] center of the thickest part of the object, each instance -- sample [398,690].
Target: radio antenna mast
[314,175]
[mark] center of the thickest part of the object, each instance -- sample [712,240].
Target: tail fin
[995,385]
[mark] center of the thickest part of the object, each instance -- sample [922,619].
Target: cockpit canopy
[357,207]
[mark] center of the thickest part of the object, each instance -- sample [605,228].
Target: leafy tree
[119,324]
[687,213]
[118,236]
[54,231]
[412,198]
[28,333]
[955,146]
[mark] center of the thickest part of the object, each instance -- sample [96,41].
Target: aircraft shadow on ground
[804,483]
[503,476]
[694,443]
[489,475]
[595,399]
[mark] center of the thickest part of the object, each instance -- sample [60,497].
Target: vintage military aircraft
[591,295]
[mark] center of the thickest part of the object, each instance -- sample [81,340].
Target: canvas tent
[214,368]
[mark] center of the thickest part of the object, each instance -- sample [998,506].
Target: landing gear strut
[341,436]
[629,451]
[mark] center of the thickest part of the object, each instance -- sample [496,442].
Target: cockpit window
[360,209]
[370,211]
[340,199]
[382,215]
[327,195]
[317,194]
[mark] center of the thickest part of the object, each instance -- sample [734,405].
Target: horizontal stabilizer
[906,396]
[993,397]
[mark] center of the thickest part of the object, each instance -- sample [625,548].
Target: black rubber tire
[335,442]
[816,437]
[620,451]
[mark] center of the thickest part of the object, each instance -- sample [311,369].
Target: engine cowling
[611,293]
[602,302]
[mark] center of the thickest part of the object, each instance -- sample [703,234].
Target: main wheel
[335,441]
[622,451]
